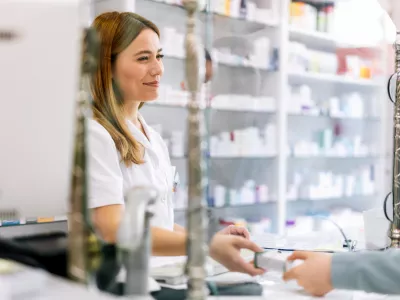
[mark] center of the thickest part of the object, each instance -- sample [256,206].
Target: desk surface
[56,288]
[274,288]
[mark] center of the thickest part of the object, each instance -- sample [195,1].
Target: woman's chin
[150,97]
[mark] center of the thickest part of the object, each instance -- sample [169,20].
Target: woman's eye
[143,58]
[160,56]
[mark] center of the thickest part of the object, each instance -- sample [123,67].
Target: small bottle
[322,20]
[330,18]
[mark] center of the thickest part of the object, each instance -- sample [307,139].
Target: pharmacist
[125,152]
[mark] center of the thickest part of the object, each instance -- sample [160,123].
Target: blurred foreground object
[196,212]
[395,226]
[84,247]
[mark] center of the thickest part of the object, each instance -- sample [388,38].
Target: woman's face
[138,69]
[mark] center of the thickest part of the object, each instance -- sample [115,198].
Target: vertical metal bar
[83,248]
[196,217]
[395,227]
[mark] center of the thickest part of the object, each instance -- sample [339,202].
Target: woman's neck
[131,110]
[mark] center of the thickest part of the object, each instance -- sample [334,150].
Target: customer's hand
[314,275]
[236,230]
[226,250]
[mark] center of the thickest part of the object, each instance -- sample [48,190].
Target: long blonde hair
[116,32]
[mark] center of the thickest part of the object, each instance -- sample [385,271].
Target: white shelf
[239,206]
[225,64]
[260,157]
[177,14]
[343,118]
[231,157]
[245,157]
[312,37]
[213,109]
[334,157]
[318,78]
[329,199]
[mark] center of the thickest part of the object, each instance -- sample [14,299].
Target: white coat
[110,179]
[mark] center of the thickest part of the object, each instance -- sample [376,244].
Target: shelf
[235,25]
[245,66]
[243,157]
[32,221]
[174,14]
[369,157]
[312,38]
[213,109]
[364,119]
[318,78]
[244,110]
[239,24]
[301,207]
[230,157]
[239,206]
[317,200]
[223,64]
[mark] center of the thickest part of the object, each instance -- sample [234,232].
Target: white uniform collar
[138,134]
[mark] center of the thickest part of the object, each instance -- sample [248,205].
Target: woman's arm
[223,248]
[168,243]
[107,219]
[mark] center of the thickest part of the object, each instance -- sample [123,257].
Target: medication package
[275,261]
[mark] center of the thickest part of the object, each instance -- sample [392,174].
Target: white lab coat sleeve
[105,181]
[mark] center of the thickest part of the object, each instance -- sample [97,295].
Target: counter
[274,289]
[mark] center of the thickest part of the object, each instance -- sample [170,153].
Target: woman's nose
[157,69]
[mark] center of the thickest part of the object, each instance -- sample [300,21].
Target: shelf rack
[273,82]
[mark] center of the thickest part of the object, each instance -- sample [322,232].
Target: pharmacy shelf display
[288,134]
[335,147]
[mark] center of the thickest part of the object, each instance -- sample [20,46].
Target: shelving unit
[318,78]
[311,37]
[248,79]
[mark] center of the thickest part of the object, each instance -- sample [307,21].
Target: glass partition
[295,109]
[297,121]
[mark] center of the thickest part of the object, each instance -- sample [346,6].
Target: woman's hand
[235,230]
[226,250]
[314,275]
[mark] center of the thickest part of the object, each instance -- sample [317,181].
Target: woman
[125,152]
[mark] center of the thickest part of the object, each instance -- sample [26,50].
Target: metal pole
[196,216]
[83,245]
[395,226]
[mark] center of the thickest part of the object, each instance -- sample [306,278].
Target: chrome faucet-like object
[134,239]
